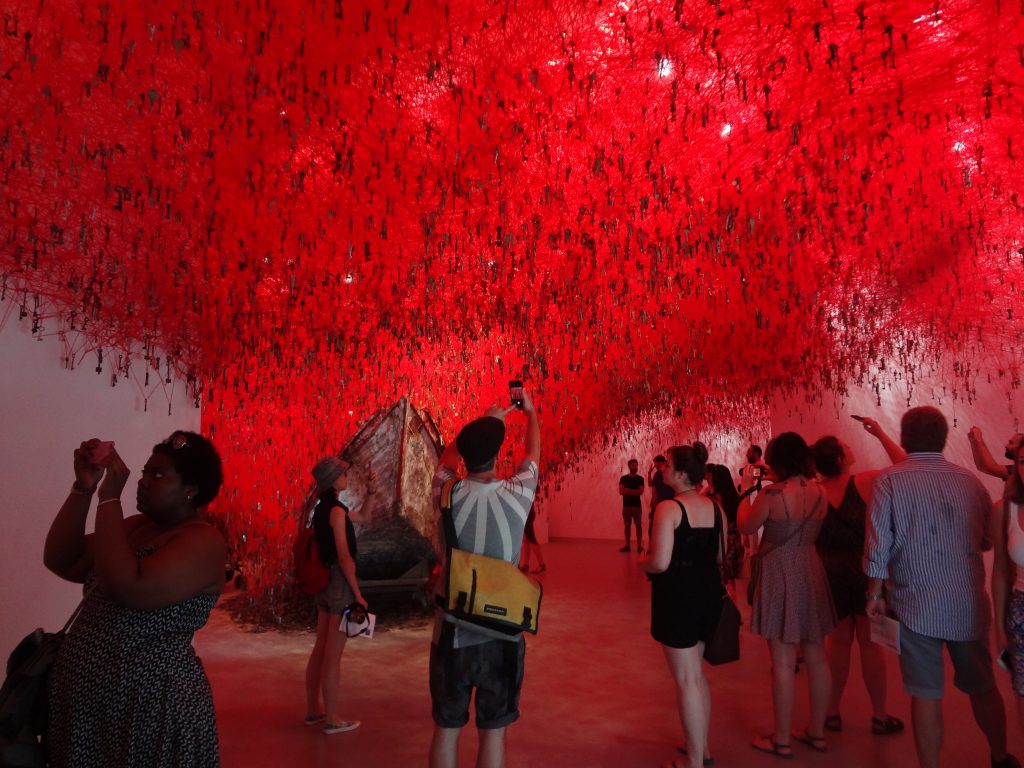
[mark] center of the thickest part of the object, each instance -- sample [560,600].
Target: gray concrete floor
[597,691]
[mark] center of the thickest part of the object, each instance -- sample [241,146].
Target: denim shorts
[924,672]
[495,669]
[337,596]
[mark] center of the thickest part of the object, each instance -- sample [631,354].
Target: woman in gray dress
[792,604]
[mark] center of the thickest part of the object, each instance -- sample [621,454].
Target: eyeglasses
[177,441]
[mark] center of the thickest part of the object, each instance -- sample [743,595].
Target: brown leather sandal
[886,726]
[769,745]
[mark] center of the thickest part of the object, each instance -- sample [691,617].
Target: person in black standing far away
[631,489]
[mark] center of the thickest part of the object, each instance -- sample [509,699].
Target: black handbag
[723,646]
[755,577]
[24,699]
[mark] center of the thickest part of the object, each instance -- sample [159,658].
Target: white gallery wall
[995,409]
[47,411]
[585,503]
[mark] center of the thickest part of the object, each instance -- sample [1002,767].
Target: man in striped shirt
[929,523]
[489,516]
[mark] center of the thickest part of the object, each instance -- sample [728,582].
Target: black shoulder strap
[451,539]
[446,639]
[720,525]
[78,609]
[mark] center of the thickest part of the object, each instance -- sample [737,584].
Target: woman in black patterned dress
[127,688]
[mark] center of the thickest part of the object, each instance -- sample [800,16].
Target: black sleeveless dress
[686,600]
[841,548]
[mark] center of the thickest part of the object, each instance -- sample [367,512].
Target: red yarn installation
[312,209]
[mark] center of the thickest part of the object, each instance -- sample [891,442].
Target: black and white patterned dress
[128,689]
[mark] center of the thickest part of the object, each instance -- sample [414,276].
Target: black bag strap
[451,539]
[798,531]
[446,640]
[721,530]
[448,526]
[78,609]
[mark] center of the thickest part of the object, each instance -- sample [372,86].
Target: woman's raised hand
[871,427]
[115,478]
[87,472]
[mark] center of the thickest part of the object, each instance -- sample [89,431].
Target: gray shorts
[924,672]
[491,674]
[337,596]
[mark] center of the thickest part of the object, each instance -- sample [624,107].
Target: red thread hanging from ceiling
[312,209]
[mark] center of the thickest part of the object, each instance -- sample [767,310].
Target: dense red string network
[312,209]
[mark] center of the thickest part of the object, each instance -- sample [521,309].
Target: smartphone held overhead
[515,391]
[101,452]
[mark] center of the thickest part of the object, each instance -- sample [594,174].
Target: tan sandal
[769,745]
[817,743]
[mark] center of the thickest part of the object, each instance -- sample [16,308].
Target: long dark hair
[789,456]
[1014,487]
[828,456]
[721,481]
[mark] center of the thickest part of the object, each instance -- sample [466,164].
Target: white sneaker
[344,725]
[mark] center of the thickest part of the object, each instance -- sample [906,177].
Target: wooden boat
[396,526]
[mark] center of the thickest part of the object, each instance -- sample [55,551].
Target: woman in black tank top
[686,587]
[336,543]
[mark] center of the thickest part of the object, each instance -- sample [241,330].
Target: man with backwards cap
[490,515]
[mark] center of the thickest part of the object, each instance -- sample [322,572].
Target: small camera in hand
[356,613]
[356,621]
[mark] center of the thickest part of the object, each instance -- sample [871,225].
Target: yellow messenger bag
[485,594]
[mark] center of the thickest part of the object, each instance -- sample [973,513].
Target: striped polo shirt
[929,524]
[489,516]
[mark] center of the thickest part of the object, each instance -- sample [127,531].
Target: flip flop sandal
[887,726]
[769,745]
[708,761]
[817,743]
[834,723]
[314,719]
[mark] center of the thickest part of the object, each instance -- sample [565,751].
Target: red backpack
[311,574]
